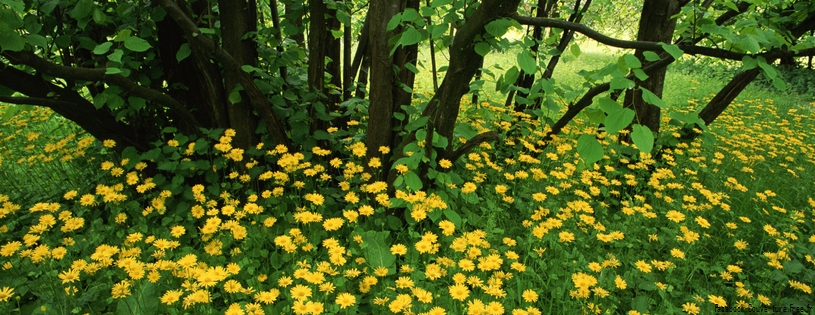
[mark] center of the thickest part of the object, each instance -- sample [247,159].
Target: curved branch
[256,97]
[95,74]
[653,46]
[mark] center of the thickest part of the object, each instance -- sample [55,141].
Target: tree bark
[656,25]
[239,17]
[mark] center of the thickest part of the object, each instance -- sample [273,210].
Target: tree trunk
[239,17]
[656,25]
[382,82]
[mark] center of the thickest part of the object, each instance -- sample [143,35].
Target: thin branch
[36,101]
[96,74]
[478,139]
[653,46]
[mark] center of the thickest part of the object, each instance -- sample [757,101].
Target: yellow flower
[178,231]
[120,290]
[620,283]
[740,244]
[6,293]
[643,266]
[109,143]
[333,224]
[530,296]
[566,237]
[300,292]
[459,292]
[718,300]
[675,216]
[690,308]
[345,300]
[69,276]
[399,249]
[447,227]
[445,163]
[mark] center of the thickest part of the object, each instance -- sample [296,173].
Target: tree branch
[652,46]
[94,74]
[478,139]
[256,97]
[36,101]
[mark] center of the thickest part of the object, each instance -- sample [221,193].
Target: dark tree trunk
[322,45]
[382,83]
[656,25]
[239,17]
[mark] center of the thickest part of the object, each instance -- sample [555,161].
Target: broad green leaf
[99,16]
[410,37]
[652,98]
[589,148]
[609,106]
[417,123]
[631,61]
[453,216]
[641,75]
[410,15]
[650,56]
[642,137]
[438,3]
[377,250]
[183,52]
[102,48]
[82,9]
[768,70]
[618,120]
[10,18]
[413,181]
[621,83]
[673,50]
[748,63]
[16,5]
[575,49]
[498,27]
[750,44]
[527,62]
[137,44]
[437,31]
[112,70]
[596,115]
[482,48]
[136,103]
[116,56]
[394,22]
[10,40]
[343,17]
[37,40]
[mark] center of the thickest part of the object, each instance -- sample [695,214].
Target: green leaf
[112,70]
[10,40]
[650,56]
[16,5]
[453,217]
[377,252]
[621,83]
[37,40]
[482,48]
[137,44]
[527,62]
[417,123]
[99,16]
[410,37]
[116,56]
[631,61]
[748,63]
[767,69]
[136,103]
[652,98]
[575,49]
[618,120]
[641,75]
[411,15]
[642,137]
[413,181]
[498,27]
[82,9]
[589,149]
[183,52]
[102,48]
[394,22]
[343,17]
[673,50]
